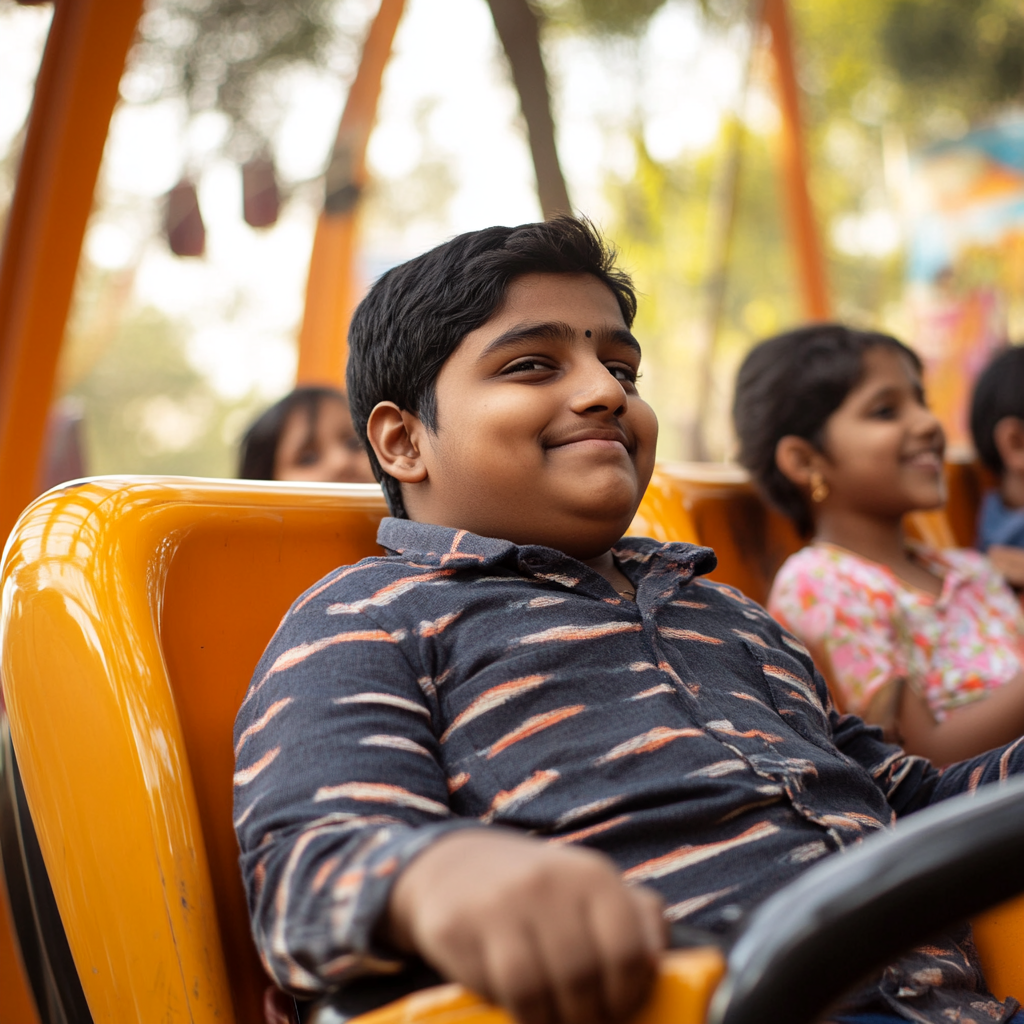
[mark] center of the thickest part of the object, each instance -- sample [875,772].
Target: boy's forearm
[319,900]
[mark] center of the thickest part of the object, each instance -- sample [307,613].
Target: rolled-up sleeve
[338,785]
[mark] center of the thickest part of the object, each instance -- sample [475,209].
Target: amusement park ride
[128,633]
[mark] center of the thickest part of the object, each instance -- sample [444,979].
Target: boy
[516,743]
[997,425]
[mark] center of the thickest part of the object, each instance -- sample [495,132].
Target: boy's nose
[598,390]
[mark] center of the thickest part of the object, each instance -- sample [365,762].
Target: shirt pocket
[792,692]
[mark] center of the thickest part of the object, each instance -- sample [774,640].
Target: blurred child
[997,424]
[307,435]
[834,428]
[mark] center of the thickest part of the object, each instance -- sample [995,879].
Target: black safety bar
[853,913]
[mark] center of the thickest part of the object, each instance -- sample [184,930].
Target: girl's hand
[967,731]
[551,933]
[1010,562]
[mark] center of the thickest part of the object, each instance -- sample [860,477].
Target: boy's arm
[338,785]
[351,856]
[909,782]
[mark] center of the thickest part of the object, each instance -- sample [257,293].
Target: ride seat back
[718,506]
[135,612]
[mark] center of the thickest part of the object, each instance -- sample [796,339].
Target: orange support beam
[793,167]
[330,288]
[75,95]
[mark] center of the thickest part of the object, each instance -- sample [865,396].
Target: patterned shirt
[459,682]
[876,630]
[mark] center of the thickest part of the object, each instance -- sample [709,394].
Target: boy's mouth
[593,437]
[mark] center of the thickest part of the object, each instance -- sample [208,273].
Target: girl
[834,428]
[307,435]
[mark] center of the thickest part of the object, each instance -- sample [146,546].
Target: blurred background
[669,135]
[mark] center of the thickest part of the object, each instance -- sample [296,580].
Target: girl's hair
[792,384]
[259,443]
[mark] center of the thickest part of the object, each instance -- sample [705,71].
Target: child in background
[997,425]
[834,428]
[307,435]
[514,743]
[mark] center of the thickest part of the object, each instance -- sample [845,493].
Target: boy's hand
[551,933]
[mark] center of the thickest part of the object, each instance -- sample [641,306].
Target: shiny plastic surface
[715,504]
[685,984]
[134,611]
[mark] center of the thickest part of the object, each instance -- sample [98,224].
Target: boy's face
[541,436]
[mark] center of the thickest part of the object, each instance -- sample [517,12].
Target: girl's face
[322,447]
[883,447]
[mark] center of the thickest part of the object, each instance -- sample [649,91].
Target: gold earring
[819,489]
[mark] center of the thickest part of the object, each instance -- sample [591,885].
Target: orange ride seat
[133,612]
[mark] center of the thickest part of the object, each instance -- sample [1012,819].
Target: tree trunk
[519,30]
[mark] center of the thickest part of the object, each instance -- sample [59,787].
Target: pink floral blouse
[876,630]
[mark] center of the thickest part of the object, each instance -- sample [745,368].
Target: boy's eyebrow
[554,330]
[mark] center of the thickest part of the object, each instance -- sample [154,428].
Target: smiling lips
[613,440]
[930,458]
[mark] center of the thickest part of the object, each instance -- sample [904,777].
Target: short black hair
[416,315]
[999,393]
[259,443]
[791,384]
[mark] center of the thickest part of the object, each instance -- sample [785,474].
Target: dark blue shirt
[998,524]
[460,682]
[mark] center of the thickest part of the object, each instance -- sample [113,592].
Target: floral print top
[872,629]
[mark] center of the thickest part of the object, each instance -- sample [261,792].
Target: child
[997,424]
[307,435]
[834,428]
[515,742]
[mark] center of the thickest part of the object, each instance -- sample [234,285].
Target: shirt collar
[443,546]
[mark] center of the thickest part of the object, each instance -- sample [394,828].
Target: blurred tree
[147,410]
[224,55]
[519,28]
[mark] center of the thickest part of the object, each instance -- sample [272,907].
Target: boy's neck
[605,565]
[1011,489]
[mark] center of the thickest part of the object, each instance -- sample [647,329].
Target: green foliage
[223,55]
[606,17]
[974,48]
[661,227]
[146,410]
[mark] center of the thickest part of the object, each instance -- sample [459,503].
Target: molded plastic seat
[723,511]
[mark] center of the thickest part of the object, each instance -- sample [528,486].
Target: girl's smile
[883,447]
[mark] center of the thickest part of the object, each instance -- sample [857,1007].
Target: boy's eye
[307,457]
[884,412]
[626,374]
[526,365]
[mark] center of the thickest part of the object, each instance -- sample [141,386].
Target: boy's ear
[395,437]
[797,459]
[1008,436]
